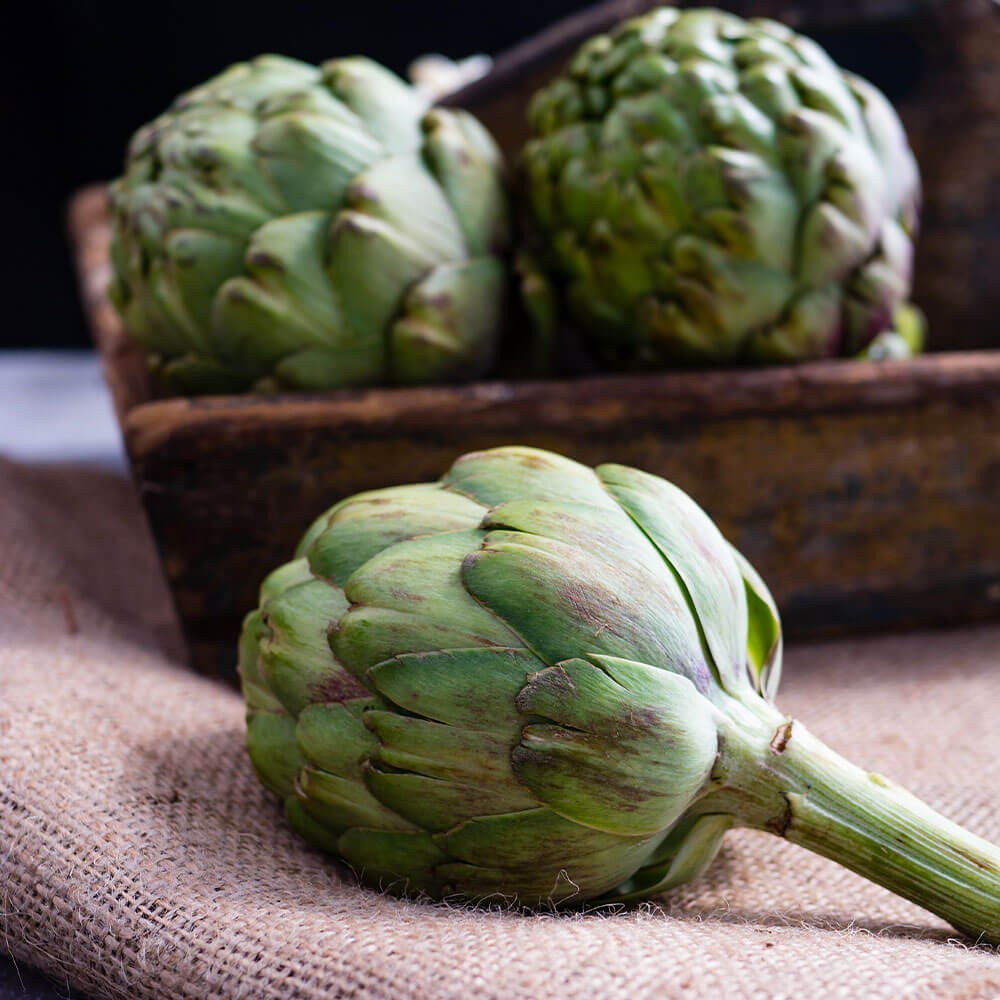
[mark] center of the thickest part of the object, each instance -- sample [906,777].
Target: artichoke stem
[786,781]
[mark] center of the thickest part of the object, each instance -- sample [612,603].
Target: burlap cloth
[139,857]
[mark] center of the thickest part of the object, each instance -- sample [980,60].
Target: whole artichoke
[301,227]
[535,681]
[703,188]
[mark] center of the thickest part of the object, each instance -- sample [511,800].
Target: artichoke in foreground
[701,188]
[538,682]
[287,226]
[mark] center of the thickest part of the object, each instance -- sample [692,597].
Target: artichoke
[537,682]
[701,188]
[287,226]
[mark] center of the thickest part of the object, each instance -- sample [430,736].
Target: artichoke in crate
[701,188]
[301,227]
[537,681]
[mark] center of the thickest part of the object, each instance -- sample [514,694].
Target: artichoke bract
[537,682]
[701,188]
[287,226]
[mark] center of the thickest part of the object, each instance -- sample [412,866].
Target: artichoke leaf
[877,290]
[766,83]
[244,85]
[692,548]
[889,142]
[286,303]
[506,840]
[420,576]
[436,750]
[390,109]
[449,324]
[479,138]
[359,529]
[325,368]
[583,876]
[740,125]
[256,327]
[184,202]
[309,829]
[606,532]
[684,855]
[474,191]
[435,685]
[628,746]
[401,191]
[254,687]
[274,751]
[313,159]
[560,599]
[192,373]
[341,803]
[291,574]
[395,861]
[438,804]
[367,636]
[807,142]
[284,257]
[295,657]
[332,736]
[199,261]
[540,301]
[812,327]
[209,159]
[176,329]
[764,638]
[765,212]
[516,472]
[310,100]
[822,89]
[372,265]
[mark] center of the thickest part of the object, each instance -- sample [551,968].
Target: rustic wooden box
[868,495]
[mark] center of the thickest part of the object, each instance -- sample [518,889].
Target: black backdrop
[79,76]
[83,74]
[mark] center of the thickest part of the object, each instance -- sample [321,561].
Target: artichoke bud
[543,683]
[284,226]
[737,132]
[508,681]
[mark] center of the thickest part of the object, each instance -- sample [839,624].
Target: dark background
[84,74]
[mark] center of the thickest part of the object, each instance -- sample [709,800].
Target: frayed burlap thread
[139,857]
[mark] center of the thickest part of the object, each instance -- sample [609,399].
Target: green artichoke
[286,226]
[700,188]
[538,682]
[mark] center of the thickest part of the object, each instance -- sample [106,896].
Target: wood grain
[868,495]
[90,239]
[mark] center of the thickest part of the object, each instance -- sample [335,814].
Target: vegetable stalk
[775,775]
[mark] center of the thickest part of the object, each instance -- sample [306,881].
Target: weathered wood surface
[123,361]
[942,71]
[867,495]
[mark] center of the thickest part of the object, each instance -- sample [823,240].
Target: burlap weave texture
[139,858]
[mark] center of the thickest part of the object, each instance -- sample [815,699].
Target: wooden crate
[868,495]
